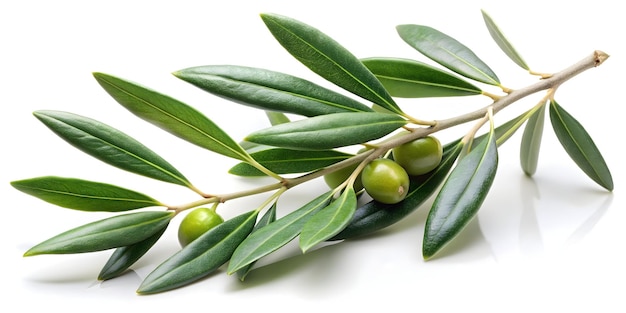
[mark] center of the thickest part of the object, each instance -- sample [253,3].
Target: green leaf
[266,219]
[326,57]
[275,235]
[329,131]
[112,232]
[276,118]
[531,141]
[412,79]
[461,196]
[286,161]
[579,145]
[83,195]
[110,145]
[329,221]
[506,130]
[123,257]
[171,115]
[448,52]
[502,42]
[269,90]
[374,215]
[201,257]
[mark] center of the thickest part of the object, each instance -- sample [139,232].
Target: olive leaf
[327,58]
[110,145]
[503,132]
[461,196]
[448,52]
[269,90]
[502,42]
[84,195]
[266,219]
[413,79]
[201,257]
[118,231]
[374,215]
[328,131]
[329,221]
[276,118]
[275,235]
[286,161]
[579,146]
[124,257]
[531,141]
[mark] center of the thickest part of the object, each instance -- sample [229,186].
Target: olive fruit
[337,177]
[385,181]
[419,156]
[196,223]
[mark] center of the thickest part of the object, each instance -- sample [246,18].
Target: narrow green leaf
[266,219]
[502,42]
[413,79]
[506,130]
[275,235]
[269,90]
[579,145]
[531,141]
[448,52]
[83,195]
[326,57]
[171,115]
[124,257]
[112,232]
[329,221]
[329,131]
[276,118]
[287,161]
[374,215]
[110,145]
[461,196]
[201,257]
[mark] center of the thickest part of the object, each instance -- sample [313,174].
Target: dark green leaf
[531,141]
[171,115]
[275,235]
[412,79]
[110,145]
[329,131]
[201,257]
[269,90]
[461,196]
[329,59]
[448,52]
[83,195]
[375,215]
[267,218]
[124,257]
[286,161]
[579,145]
[329,221]
[502,42]
[112,232]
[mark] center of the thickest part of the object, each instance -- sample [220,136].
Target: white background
[551,243]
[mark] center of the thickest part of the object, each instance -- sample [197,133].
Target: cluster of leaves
[308,147]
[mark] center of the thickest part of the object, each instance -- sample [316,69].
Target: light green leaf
[461,196]
[326,57]
[502,42]
[201,257]
[287,161]
[275,235]
[276,118]
[269,90]
[448,52]
[531,141]
[83,195]
[110,145]
[329,131]
[579,145]
[413,79]
[266,219]
[112,232]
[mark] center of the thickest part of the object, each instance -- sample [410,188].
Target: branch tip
[600,57]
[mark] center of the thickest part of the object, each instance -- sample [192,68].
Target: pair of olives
[387,180]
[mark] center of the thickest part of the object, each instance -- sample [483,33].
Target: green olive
[419,156]
[385,181]
[196,223]
[336,178]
